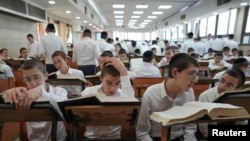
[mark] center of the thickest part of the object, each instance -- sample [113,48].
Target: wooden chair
[6,84]
[140,84]
[202,85]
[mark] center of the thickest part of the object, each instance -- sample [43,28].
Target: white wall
[14,31]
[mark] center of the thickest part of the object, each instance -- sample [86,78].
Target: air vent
[36,12]
[183,17]
[221,2]
[16,5]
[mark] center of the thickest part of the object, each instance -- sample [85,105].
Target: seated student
[231,80]
[35,75]
[226,53]
[122,55]
[113,74]
[247,55]
[146,69]
[218,62]
[166,59]
[209,55]
[137,52]
[239,63]
[175,49]
[118,46]
[104,57]
[235,53]
[4,54]
[5,71]
[190,51]
[60,61]
[24,53]
[154,51]
[175,91]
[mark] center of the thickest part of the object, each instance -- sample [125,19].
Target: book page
[210,106]
[178,114]
[70,76]
[116,99]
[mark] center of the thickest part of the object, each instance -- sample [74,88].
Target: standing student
[175,91]
[60,61]
[231,80]
[113,75]
[35,75]
[49,44]
[33,46]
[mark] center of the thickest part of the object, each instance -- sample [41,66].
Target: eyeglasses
[35,78]
[193,76]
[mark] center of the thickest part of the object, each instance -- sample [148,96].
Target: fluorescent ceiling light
[157,13]
[118,6]
[135,17]
[119,20]
[118,12]
[67,11]
[90,24]
[143,23]
[132,20]
[152,17]
[147,20]
[85,21]
[52,2]
[164,6]
[78,17]
[94,26]
[215,13]
[243,4]
[118,16]
[141,6]
[138,12]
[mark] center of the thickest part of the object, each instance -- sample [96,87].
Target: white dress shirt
[41,131]
[218,44]
[232,44]
[187,44]
[33,49]
[209,44]
[103,45]
[49,44]
[147,70]
[108,131]
[86,52]
[5,71]
[164,61]
[200,48]
[158,49]
[155,99]
[71,88]
[213,66]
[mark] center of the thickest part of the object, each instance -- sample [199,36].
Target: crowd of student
[107,60]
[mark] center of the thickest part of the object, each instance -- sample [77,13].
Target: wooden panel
[19,78]
[140,84]
[7,84]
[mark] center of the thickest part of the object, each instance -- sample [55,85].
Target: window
[168,34]
[223,23]
[248,22]
[232,21]
[211,25]
[174,33]
[181,31]
[203,27]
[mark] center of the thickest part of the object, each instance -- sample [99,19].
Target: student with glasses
[35,75]
[231,80]
[174,91]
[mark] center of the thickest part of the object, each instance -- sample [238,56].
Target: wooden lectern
[40,111]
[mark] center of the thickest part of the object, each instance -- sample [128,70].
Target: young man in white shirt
[231,80]
[115,82]
[218,62]
[174,91]
[35,75]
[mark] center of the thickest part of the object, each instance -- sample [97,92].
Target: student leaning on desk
[35,75]
[176,90]
[115,82]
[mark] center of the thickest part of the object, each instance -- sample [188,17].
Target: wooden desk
[40,111]
[202,85]
[6,84]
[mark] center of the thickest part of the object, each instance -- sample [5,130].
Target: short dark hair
[181,61]
[111,70]
[21,49]
[218,54]
[237,73]
[210,50]
[147,56]
[107,53]
[3,49]
[240,62]
[226,48]
[86,32]
[32,63]
[59,53]
[231,36]
[104,35]
[190,35]
[50,27]
[166,42]
[235,49]
[30,35]
[190,49]
[122,51]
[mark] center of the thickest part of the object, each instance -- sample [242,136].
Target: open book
[194,110]
[66,76]
[93,99]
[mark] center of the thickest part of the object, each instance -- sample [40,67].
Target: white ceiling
[104,12]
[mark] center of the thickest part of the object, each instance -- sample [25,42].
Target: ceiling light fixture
[243,4]
[118,6]
[68,12]
[157,13]
[141,6]
[138,12]
[52,2]
[118,12]
[164,6]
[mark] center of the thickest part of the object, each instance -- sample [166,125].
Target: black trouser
[176,139]
[88,69]
[50,68]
